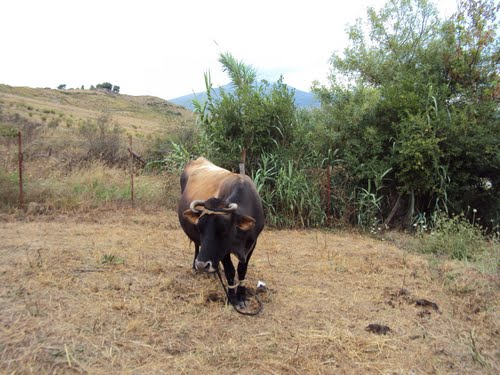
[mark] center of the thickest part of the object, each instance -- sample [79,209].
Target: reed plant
[291,196]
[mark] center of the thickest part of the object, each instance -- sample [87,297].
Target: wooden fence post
[20,159]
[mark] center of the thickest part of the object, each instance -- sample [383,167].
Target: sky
[163,48]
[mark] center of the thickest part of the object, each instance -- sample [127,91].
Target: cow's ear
[191,216]
[245,223]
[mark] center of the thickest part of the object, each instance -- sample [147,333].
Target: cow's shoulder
[200,165]
[202,179]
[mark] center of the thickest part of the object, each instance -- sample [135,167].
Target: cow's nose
[204,266]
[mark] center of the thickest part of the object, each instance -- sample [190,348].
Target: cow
[221,212]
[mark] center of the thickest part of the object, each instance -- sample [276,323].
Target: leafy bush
[369,202]
[254,118]
[105,86]
[291,196]
[416,94]
[455,237]
[103,140]
[170,152]
[173,161]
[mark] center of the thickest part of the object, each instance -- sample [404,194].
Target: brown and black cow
[221,212]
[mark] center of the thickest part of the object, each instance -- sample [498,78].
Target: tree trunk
[393,211]
[243,160]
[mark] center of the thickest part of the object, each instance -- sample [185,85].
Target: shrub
[105,86]
[92,185]
[9,188]
[102,139]
[170,152]
[290,195]
[455,237]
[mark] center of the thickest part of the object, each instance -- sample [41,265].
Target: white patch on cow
[211,269]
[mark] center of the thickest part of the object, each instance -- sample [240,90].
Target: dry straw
[112,292]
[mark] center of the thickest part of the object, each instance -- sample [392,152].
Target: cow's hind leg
[230,273]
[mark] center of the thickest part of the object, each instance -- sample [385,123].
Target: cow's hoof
[238,304]
[241,305]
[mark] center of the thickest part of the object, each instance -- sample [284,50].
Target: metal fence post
[131,158]
[20,158]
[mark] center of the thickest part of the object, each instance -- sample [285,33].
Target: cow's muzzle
[204,266]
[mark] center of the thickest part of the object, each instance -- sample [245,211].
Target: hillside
[138,115]
[75,147]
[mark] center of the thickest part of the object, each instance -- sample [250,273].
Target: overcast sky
[162,48]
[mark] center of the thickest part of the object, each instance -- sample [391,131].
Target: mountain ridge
[303,99]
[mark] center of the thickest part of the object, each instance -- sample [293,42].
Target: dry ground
[113,293]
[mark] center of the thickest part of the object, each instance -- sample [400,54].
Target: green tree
[471,57]
[105,86]
[418,95]
[256,122]
[253,118]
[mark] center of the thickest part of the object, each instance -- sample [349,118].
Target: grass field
[112,292]
[139,116]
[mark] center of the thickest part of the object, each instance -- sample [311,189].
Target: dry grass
[48,188]
[112,292]
[138,115]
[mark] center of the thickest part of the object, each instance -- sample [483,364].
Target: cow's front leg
[230,273]
[241,293]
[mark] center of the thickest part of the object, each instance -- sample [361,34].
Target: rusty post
[20,158]
[329,192]
[131,158]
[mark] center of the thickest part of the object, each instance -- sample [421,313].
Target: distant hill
[302,99]
[138,115]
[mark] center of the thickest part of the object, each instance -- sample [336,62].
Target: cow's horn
[195,203]
[231,208]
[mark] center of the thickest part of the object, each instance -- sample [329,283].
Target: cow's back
[201,179]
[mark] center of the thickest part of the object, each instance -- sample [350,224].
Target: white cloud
[162,48]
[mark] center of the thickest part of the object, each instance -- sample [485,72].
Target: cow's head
[220,226]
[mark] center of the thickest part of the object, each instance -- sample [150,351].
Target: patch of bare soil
[114,293]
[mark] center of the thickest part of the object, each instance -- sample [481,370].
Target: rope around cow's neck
[253,313]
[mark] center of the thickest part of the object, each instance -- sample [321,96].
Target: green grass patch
[457,238]
[111,259]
